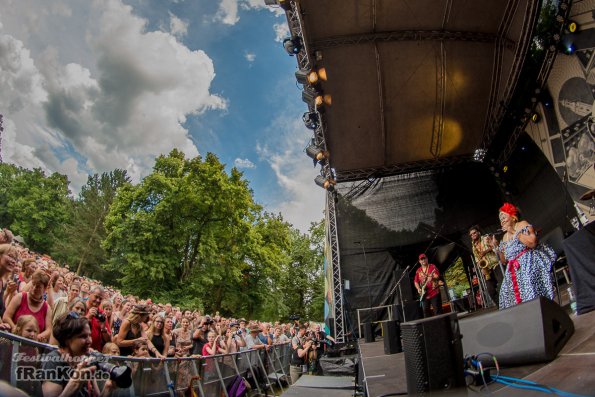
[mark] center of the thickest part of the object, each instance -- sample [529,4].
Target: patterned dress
[528,273]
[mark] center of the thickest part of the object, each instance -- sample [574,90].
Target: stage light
[311,120]
[535,117]
[568,48]
[314,98]
[316,153]
[505,169]
[312,77]
[479,155]
[571,26]
[325,183]
[293,45]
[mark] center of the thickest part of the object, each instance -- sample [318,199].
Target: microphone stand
[405,272]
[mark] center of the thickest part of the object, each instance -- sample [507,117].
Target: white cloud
[303,201]
[228,12]
[177,27]
[281,31]
[243,163]
[250,57]
[121,99]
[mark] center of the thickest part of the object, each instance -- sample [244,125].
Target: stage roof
[415,84]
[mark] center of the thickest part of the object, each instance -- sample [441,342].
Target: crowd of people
[46,302]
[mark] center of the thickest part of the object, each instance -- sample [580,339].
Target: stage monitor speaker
[392,337]
[413,311]
[433,354]
[531,332]
[369,333]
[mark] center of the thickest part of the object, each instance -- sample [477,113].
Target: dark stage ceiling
[415,84]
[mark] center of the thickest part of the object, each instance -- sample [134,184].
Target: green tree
[83,235]
[301,285]
[34,205]
[183,228]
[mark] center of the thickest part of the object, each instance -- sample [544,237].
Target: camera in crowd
[100,317]
[121,375]
[311,336]
[294,317]
[208,321]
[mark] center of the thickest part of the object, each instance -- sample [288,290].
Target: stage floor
[321,386]
[572,371]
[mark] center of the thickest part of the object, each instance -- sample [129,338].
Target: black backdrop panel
[536,188]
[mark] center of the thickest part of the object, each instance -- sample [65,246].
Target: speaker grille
[433,354]
[416,366]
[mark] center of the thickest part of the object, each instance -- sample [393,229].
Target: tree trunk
[80,266]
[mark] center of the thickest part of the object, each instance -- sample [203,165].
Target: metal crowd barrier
[265,370]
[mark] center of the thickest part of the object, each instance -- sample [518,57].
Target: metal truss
[496,114]
[408,35]
[542,76]
[403,168]
[296,28]
[438,124]
[333,240]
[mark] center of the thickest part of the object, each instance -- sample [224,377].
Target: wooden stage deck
[572,371]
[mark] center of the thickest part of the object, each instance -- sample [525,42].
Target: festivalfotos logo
[28,368]
[59,374]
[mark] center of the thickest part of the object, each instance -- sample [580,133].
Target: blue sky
[88,86]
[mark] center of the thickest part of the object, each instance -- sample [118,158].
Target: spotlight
[316,153]
[312,77]
[479,155]
[568,48]
[325,183]
[571,26]
[311,120]
[314,98]
[293,45]
[535,117]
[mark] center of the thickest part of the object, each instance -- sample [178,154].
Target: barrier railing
[265,370]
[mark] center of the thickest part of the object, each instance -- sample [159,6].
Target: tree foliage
[33,205]
[189,233]
[195,231]
[84,233]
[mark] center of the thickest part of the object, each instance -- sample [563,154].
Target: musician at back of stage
[426,283]
[486,260]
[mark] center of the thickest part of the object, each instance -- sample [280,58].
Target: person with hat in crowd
[426,283]
[527,274]
[252,339]
[133,329]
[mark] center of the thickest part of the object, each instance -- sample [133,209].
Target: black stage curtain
[580,255]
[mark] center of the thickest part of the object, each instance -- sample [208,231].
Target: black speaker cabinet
[413,311]
[392,337]
[531,332]
[433,354]
[369,333]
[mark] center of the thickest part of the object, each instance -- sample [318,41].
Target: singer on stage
[426,283]
[528,262]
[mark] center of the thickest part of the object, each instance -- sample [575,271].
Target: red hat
[422,255]
[509,209]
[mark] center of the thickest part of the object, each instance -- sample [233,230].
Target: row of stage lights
[317,100]
[563,43]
